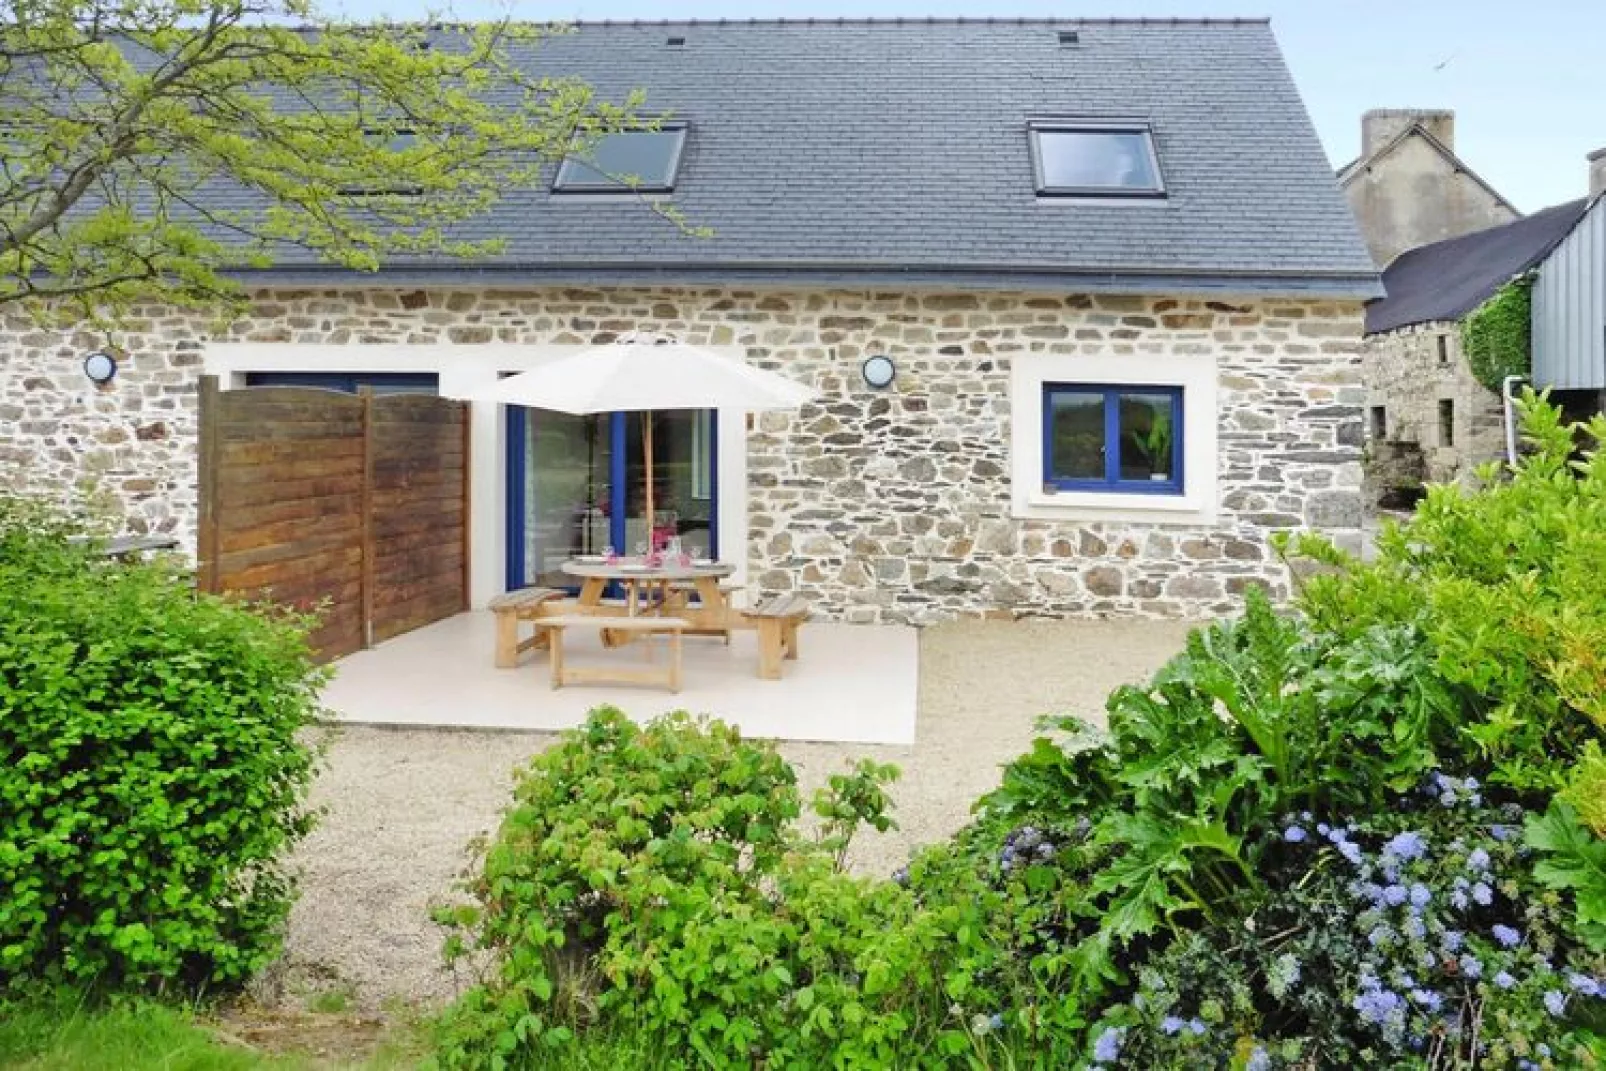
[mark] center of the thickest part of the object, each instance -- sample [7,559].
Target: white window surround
[1197,378]
[464,369]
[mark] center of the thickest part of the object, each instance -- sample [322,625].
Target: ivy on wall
[1496,335]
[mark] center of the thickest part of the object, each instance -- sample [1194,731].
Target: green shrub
[152,775]
[1505,585]
[651,882]
[1256,718]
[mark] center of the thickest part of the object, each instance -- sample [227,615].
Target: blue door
[576,486]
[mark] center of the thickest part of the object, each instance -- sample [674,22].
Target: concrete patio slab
[851,683]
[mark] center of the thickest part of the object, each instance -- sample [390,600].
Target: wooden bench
[667,676]
[777,621]
[511,608]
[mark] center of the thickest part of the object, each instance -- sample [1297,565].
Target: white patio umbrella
[640,373]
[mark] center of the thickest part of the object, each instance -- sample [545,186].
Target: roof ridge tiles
[945,20]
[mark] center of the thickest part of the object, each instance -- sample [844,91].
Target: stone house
[1408,188]
[1428,417]
[1107,259]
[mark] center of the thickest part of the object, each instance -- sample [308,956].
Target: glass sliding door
[683,484]
[564,492]
[576,485]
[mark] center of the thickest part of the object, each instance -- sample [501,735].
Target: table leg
[591,591]
[714,603]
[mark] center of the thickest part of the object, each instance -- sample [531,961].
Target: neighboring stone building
[1124,299]
[1408,188]
[1427,415]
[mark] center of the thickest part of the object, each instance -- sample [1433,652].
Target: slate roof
[1448,279]
[896,151]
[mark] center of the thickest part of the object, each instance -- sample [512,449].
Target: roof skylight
[639,161]
[1072,158]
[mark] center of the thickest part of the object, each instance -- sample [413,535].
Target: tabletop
[636,569]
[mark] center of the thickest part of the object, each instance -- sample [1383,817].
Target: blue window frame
[1125,439]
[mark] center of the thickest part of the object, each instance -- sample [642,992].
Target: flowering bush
[1419,937]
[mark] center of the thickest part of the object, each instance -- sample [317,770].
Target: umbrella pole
[646,461]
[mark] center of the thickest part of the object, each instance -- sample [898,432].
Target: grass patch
[336,1001]
[66,1036]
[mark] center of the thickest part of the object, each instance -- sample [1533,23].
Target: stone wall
[883,506]
[1406,375]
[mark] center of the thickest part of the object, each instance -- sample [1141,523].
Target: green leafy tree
[149,146]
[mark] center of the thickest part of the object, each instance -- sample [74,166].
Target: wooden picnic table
[661,589]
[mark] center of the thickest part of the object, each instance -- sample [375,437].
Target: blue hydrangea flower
[1171,1025]
[996,1022]
[1555,1002]
[1415,928]
[1482,895]
[1350,851]
[1395,895]
[1504,980]
[1406,846]
[1375,1004]
[1501,832]
[1259,1060]
[1471,966]
[1459,900]
[1427,998]
[1107,1049]
[1380,935]
[1452,940]
[1197,1027]
[1507,936]
[1478,860]
[1323,828]
[1583,983]
[1293,834]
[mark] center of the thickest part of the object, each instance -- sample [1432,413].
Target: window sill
[1101,506]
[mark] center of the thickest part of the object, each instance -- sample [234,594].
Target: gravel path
[403,804]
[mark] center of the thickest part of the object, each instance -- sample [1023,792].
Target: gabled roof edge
[1355,166]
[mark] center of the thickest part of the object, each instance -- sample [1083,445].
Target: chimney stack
[1380,125]
[1597,172]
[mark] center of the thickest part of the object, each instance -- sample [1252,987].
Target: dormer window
[629,161]
[1075,158]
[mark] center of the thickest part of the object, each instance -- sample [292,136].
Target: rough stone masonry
[882,506]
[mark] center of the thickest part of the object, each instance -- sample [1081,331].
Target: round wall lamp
[101,368]
[879,371]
